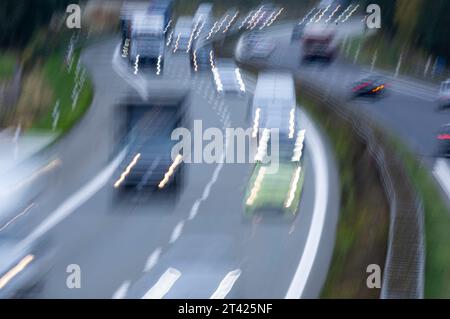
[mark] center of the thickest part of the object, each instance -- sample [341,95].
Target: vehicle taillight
[443,137]
[359,87]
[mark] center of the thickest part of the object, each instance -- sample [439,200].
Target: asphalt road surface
[194,245]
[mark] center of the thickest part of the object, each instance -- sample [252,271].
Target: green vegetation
[355,219]
[62,83]
[418,24]
[41,49]
[387,56]
[43,85]
[415,30]
[437,226]
[7,65]
[363,226]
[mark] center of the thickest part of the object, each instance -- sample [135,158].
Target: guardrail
[405,261]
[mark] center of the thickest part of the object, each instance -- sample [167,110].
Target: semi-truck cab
[319,43]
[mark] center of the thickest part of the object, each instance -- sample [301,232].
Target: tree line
[20,19]
[421,24]
[417,23]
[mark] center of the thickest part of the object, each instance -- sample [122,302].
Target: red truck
[319,43]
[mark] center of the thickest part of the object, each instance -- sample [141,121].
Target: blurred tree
[433,27]
[20,19]
[406,20]
[420,24]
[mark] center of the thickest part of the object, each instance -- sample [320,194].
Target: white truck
[274,99]
[147,39]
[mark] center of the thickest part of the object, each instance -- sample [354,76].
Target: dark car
[370,86]
[443,138]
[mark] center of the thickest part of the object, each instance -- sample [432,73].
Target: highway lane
[408,110]
[118,243]
[143,284]
[236,245]
[313,286]
[129,230]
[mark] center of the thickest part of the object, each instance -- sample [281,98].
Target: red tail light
[360,86]
[443,137]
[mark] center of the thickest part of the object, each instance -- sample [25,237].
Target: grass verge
[63,84]
[437,226]
[362,233]
[7,65]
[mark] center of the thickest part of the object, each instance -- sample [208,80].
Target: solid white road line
[121,292]
[163,285]
[318,157]
[75,201]
[441,171]
[152,259]
[226,285]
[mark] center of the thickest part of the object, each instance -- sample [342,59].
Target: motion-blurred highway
[199,239]
[132,245]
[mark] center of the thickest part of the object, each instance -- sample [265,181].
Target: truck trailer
[144,128]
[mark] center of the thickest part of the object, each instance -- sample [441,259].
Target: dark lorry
[145,127]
